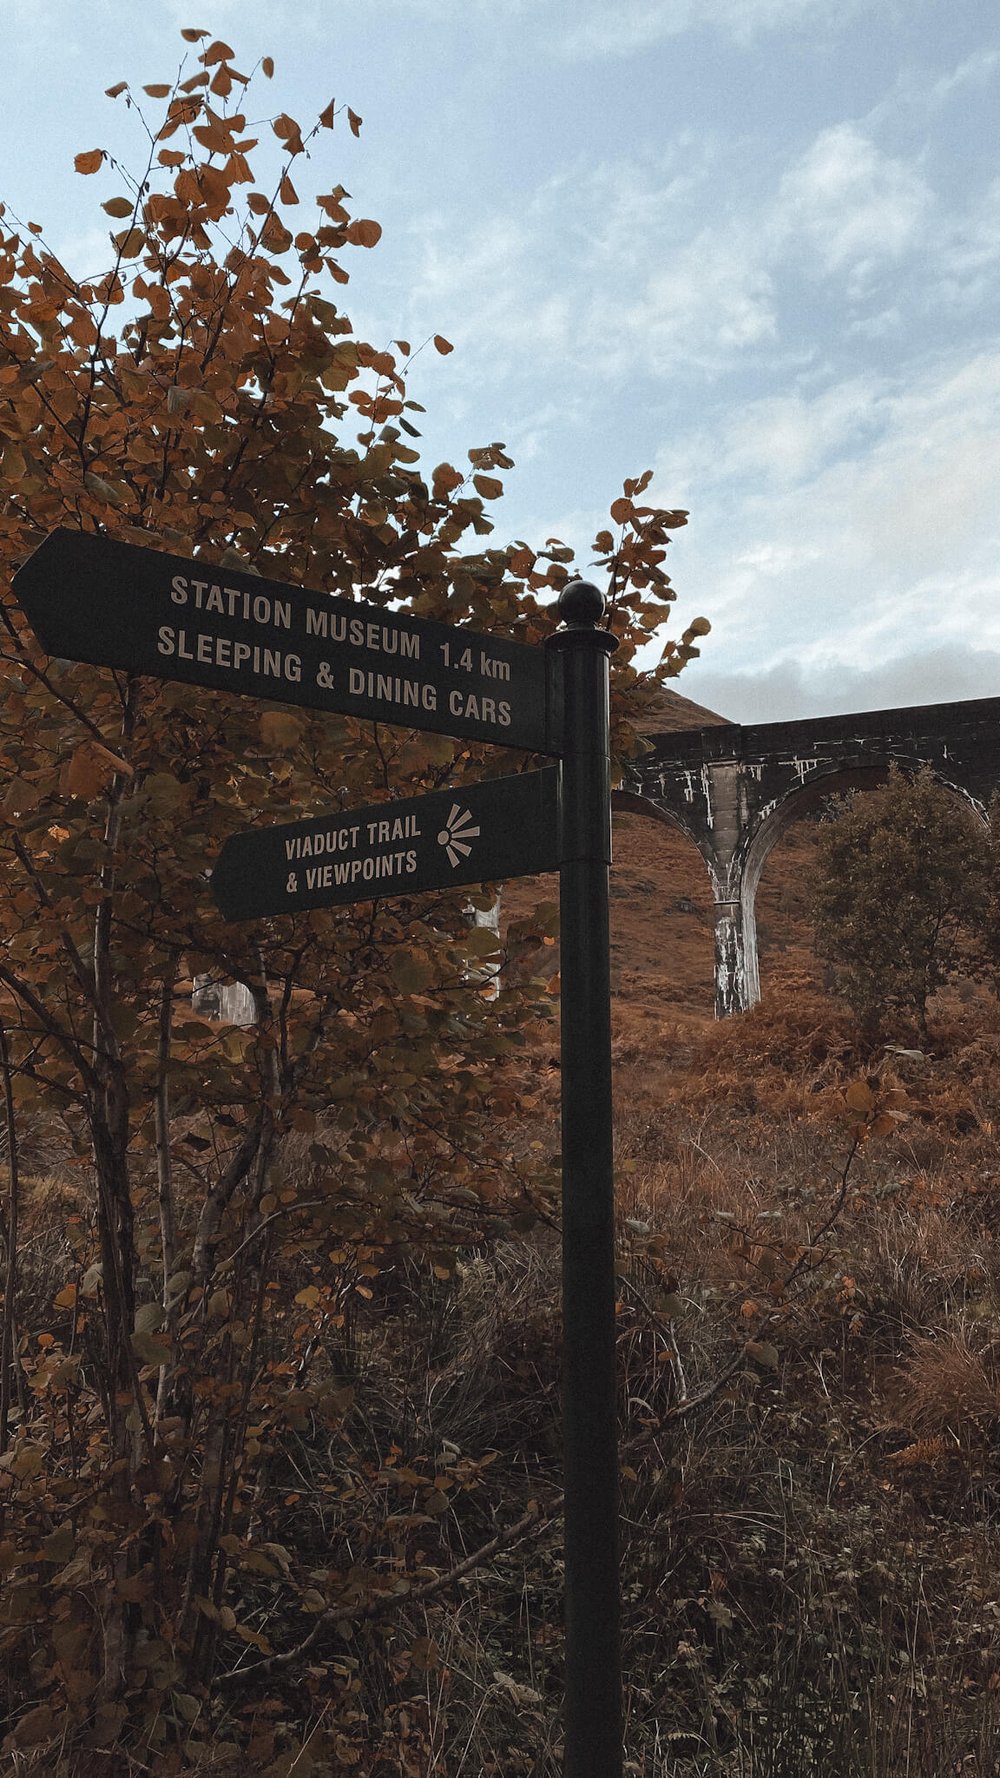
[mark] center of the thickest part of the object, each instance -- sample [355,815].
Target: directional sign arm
[481,833]
[113,604]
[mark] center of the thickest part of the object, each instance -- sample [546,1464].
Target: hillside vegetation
[809,1362]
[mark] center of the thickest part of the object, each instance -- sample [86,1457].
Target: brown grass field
[809,1347]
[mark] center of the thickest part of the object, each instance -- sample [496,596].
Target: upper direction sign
[113,604]
[487,832]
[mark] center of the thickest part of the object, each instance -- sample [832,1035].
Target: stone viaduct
[733,790]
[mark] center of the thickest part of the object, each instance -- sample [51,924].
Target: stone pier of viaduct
[733,790]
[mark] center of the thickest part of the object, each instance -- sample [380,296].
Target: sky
[752,245]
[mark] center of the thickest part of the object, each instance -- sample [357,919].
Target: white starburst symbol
[456,832]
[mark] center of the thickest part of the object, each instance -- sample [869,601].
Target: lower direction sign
[480,833]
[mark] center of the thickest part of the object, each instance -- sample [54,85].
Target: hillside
[810,1392]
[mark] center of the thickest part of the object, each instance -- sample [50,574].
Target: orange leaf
[859,1096]
[355,121]
[130,242]
[444,346]
[217,52]
[287,131]
[445,480]
[112,92]
[364,232]
[267,66]
[89,162]
[326,117]
[289,195]
[279,728]
[89,769]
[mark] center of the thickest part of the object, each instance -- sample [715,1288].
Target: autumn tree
[237,1191]
[900,886]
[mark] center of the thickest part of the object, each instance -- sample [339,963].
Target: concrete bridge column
[737,985]
[736,975]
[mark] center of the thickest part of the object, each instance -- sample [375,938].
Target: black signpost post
[593,1718]
[92,599]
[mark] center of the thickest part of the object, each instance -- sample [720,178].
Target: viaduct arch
[733,789]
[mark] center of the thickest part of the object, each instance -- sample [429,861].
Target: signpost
[92,599]
[506,827]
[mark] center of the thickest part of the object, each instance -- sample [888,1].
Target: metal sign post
[90,598]
[593,1724]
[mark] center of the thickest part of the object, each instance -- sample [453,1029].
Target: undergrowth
[810,1364]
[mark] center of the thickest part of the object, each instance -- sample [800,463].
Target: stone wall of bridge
[734,790]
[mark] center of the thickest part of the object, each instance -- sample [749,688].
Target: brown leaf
[763,1353]
[130,242]
[859,1096]
[89,162]
[35,1726]
[326,117]
[355,121]
[287,130]
[444,346]
[487,486]
[279,728]
[364,232]
[89,770]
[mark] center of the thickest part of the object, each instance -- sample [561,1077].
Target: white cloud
[626,29]
[780,440]
[637,287]
[855,207]
[710,299]
[976,70]
[793,688]
[882,528]
[968,253]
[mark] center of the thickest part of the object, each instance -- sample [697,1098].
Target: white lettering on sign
[389,688]
[360,870]
[221,651]
[313,845]
[467,703]
[229,601]
[378,638]
[401,827]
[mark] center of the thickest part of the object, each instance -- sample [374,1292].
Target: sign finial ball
[581,604]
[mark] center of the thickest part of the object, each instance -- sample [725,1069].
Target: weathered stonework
[733,790]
